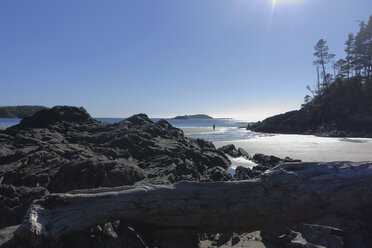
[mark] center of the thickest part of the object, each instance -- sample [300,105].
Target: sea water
[226,129]
[7,122]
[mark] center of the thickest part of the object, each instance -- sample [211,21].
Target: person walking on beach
[214,127]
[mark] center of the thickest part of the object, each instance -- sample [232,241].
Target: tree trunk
[286,195]
[318,83]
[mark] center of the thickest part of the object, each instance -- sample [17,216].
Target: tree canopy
[19,111]
[356,64]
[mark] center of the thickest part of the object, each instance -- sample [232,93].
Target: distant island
[19,111]
[192,117]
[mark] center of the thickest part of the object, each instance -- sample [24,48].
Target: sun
[275,2]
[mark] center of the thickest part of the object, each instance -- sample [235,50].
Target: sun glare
[275,2]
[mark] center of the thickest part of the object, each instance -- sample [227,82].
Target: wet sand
[308,148]
[198,130]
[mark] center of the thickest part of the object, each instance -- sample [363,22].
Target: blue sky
[246,59]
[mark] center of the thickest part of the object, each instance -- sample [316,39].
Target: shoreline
[197,130]
[308,148]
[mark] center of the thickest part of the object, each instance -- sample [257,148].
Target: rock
[58,114]
[264,159]
[243,153]
[64,148]
[229,150]
[288,159]
[235,239]
[261,168]
[322,235]
[286,238]
[123,174]
[216,173]
[233,152]
[15,202]
[221,239]
[242,173]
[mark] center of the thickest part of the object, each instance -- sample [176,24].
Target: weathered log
[286,195]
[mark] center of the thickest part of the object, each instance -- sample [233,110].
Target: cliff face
[344,109]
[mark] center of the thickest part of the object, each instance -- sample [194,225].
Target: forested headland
[19,111]
[340,102]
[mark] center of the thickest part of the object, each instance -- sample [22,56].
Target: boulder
[46,117]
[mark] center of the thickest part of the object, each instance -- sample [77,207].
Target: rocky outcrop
[64,148]
[263,162]
[56,117]
[233,152]
[326,118]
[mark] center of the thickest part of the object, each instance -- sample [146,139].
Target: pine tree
[340,68]
[362,50]
[368,41]
[349,57]
[323,58]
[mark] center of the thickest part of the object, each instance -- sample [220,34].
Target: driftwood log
[289,194]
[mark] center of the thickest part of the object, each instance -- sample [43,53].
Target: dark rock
[70,150]
[261,168]
[233,152]
[243,173]
[264,159]
[322,235]
[94,174]
[64,148]
[235,239]
[221,239]
[229,150]
[243,153]
[288,160]
[15,202]
[285,238]
[216,173]
[47,117]
[139,119]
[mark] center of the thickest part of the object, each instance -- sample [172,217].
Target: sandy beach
[198,130]
[308,148]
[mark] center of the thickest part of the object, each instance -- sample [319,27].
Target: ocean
[226,129]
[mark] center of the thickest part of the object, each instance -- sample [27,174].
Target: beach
[197,130]
[308,148]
